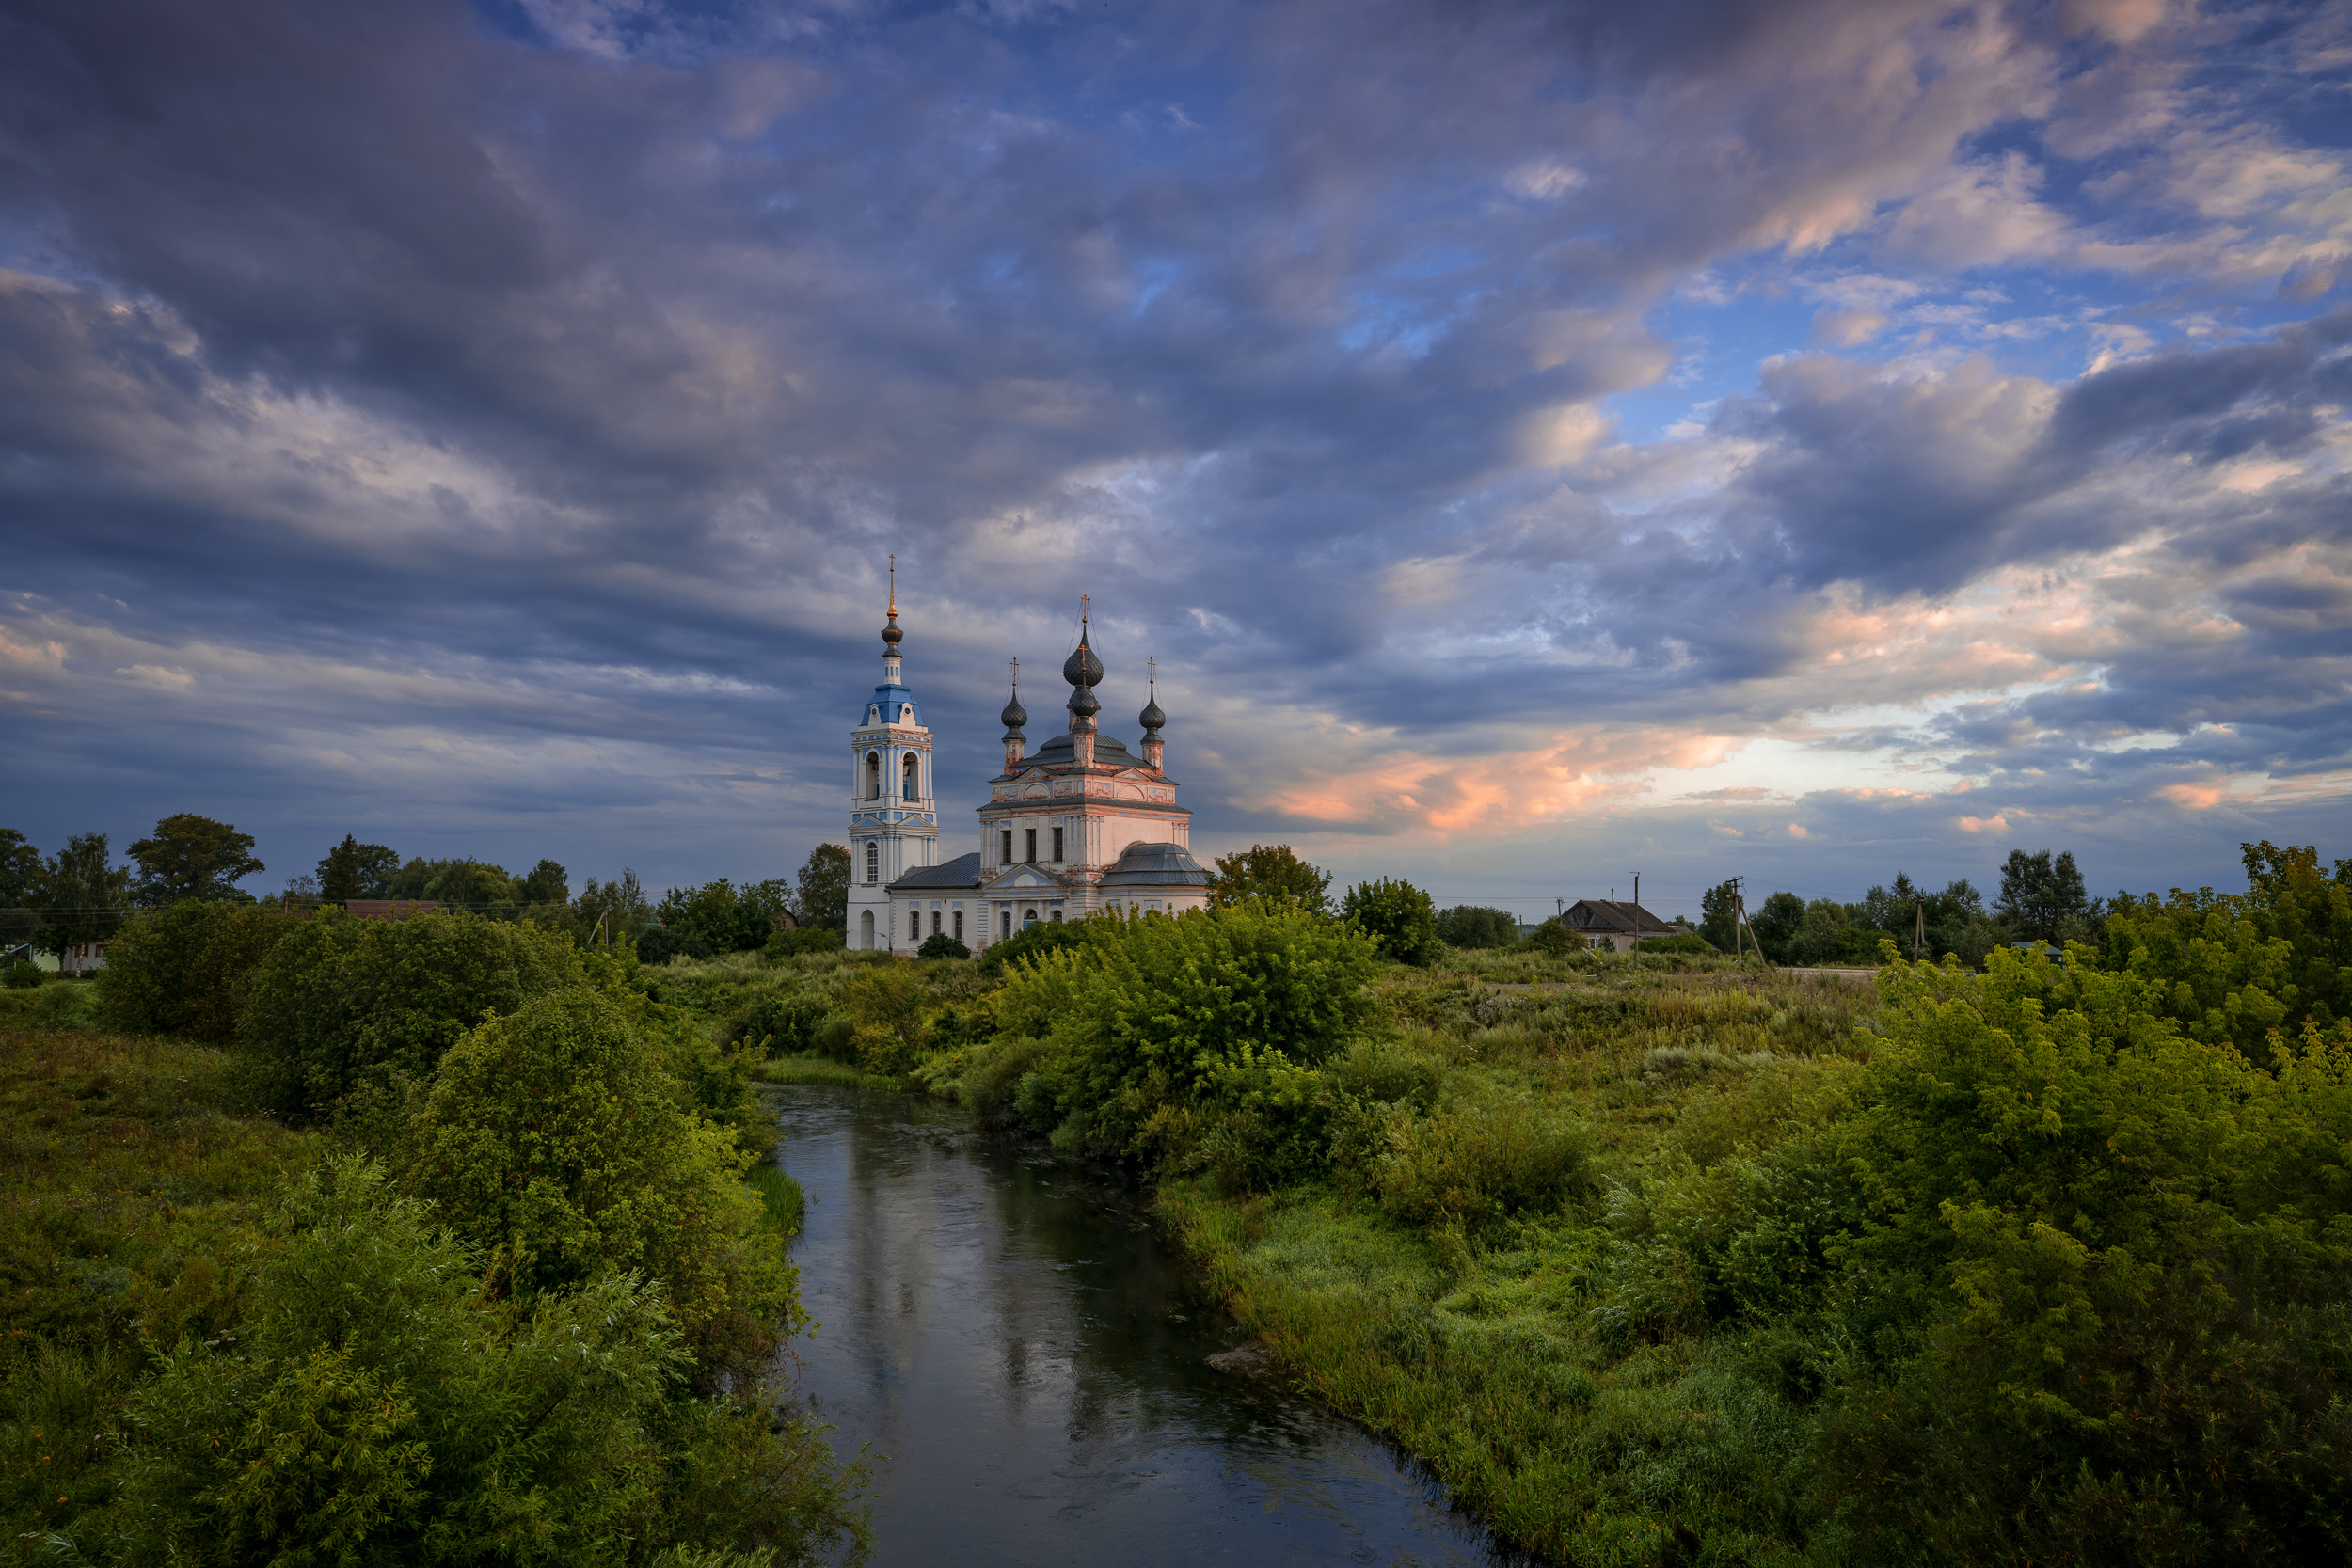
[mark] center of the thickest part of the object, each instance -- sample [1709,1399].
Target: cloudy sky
[1539,443]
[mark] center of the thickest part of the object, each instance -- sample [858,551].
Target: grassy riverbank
[1500,1352]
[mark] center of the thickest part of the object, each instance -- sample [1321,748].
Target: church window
[873,775]
[1004,918]
[873,863]
[1057,917]
[1005,857]
[1029,918]
[934,923]
[958,924]
[866,928]
[1032,855]
[1057,844]
[914,925]
[912,789]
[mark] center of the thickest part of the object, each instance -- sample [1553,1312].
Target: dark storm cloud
[549,384]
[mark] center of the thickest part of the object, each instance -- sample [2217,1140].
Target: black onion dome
[1082,669]
[1015,715]
[1083,702]
[891,634]
[1152,717]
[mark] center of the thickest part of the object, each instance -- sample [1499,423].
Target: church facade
[1078,826]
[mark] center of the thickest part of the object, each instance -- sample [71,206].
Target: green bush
[1555,938]
[887,1000]
[376,1406]
[21,976]
[555,1139]
[2233,967]
[939,945]
[1397,916]
[1472,925]
[187,969]
[2050,1225]
[1468,1166]
[1158,1018]
[340,1002]
[1685,945]
[994,1073]
[1047,936]
[792,1022]
[662,944]
[786,941]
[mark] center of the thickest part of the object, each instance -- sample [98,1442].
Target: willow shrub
[1160,1031]
[376,1407]
[2094,1283]
[188,969]
[558,1141]
[342,1002]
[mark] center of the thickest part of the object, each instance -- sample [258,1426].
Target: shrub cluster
[187,969]
[521,1309]
[339,1002]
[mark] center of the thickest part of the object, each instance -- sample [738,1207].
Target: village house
[1617,926]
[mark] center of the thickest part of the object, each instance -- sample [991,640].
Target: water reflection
[1031,1360]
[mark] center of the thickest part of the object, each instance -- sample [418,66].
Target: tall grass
[780,1198]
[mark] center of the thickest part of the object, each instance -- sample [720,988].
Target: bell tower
[894,820]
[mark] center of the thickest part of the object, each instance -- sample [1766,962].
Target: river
[1027,1361]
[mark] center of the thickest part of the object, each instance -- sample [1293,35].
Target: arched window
[873,867]
[935,922]
[1029,918]
[1004,919]
[914,925]
[958,924]
[912,786]
[1057,917]
[873,775]
[866,928]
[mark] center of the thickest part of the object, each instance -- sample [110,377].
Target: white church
[1080,826]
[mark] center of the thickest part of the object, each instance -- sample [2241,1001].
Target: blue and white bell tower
[894,822]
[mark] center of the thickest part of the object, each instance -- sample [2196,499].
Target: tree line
[80,897]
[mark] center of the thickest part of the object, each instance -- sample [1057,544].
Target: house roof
[1606,914]
[963,871]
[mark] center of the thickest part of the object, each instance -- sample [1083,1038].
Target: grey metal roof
[1107,753]
[1155,865]
[963,871]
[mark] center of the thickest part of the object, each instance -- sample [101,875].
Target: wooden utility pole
[1919,934]
[1636,912]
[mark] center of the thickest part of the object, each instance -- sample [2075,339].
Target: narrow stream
[1029,1363]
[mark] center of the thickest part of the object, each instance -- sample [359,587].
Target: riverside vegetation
[426,1241]
[1658,1260]
[1655,1261]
